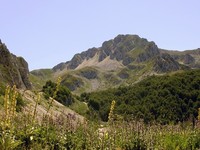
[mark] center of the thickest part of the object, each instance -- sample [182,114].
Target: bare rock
[13,70]
[151,50]
[165,63]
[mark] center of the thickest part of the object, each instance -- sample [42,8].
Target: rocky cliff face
[13,70]
[120,46]
[150,50]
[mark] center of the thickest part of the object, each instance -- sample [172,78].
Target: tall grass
[7,134]
[54,94]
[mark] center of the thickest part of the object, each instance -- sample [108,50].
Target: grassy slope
[55,110]
[39,77]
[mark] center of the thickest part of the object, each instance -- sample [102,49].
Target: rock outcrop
[151,50]
[13,70]
[72,82]
[165,63]
[89,73]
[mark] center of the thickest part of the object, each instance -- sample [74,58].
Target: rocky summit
[123,48]
[129,49]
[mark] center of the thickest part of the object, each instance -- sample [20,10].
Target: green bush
[20,103]
[63,94]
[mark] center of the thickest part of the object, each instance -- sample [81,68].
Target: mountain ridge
[118,48]
[112,48]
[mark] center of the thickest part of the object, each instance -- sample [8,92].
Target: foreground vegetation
[23,131]
[62,134]
[157,113]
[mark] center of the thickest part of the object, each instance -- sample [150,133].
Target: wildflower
[10,102]
[31,138]
[57,87]
[110,116]
[36,104]
[54,94]
[106,135]
[199,114]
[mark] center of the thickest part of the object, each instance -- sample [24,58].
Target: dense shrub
[63,94]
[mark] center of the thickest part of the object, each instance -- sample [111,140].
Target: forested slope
[165,99]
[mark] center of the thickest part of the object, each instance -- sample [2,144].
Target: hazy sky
[47,32]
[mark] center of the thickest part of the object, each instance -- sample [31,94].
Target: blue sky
[47,32]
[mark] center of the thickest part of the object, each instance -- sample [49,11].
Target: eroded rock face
[122,44]
[165,63]
[185,59]
[151,50]
[72,82]
[188,59]
[76,60]
[123,75]
[24,71]
[13,70]
[89,74]
[58,67]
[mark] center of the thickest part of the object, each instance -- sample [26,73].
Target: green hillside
[38,78]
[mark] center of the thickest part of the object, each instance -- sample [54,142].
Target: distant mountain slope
[190,58]
[13,70]
[124,60]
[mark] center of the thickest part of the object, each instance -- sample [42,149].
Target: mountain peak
[117,49]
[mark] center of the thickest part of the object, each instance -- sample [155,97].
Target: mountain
[13,70]
[124,60]
[116,53]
